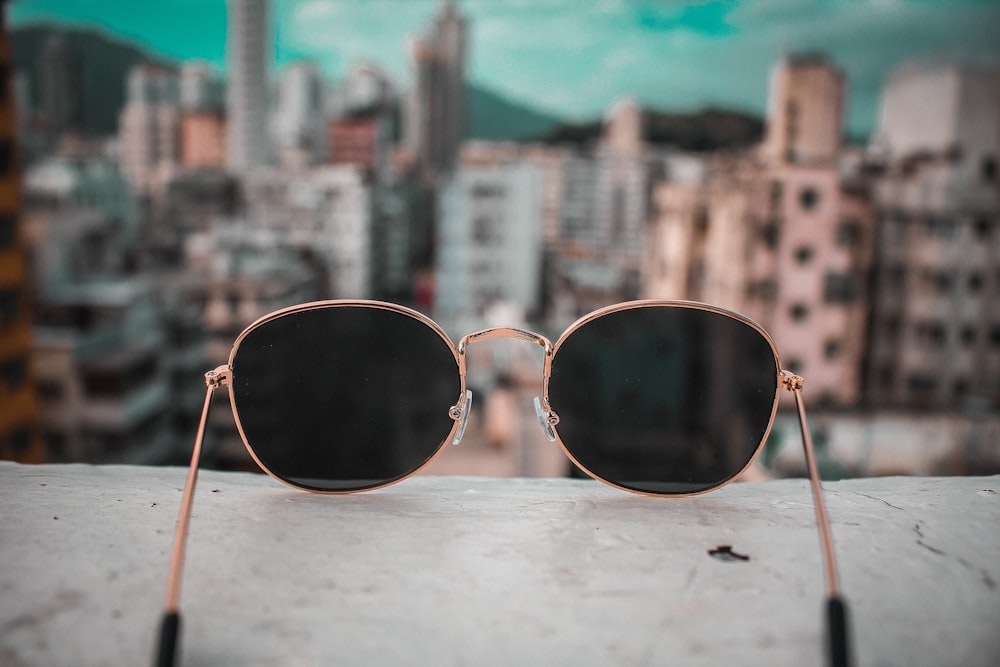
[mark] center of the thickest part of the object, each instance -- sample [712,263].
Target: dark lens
[664,399]
[344,398]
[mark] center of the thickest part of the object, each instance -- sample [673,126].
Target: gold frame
[223,376]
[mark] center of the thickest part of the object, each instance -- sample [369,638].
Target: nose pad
[546,419]
[460,413]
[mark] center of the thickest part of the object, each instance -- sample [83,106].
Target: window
[832,349]
[939,227]
[770,234]
[763,289]
[886,376]
[930,331]
[799,312]
[13,372]
[849,233]
[808,198]
[839,288]
[921,383]
[804,254]
[795,366]
[968,335]
[937,281]
[896,276]
[55,442]
[975,282]
[960,388]
[9,307]
[891,328]
[8,228]
[982,227]
[50,391]
[20,440]
[995,335]
[6,156]
[777,192]
[988,168]
[484,230]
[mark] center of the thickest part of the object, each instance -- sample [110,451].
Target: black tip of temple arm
[170,630]
[839,632]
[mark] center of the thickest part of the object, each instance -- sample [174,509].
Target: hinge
[790,381]
[219,377]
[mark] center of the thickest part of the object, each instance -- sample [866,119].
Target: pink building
[203,140]
[780,235]
[355,141]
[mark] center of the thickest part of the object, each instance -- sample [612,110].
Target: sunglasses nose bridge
[504,332]
[546,417]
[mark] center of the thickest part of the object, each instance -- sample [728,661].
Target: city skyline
[676,56]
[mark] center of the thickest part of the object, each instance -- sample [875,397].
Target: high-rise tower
[59,88]
[248,46]
[805,110]
[436,118]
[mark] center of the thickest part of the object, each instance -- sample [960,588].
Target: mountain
[706,130]
[495,118]
[103,63]
[100,63]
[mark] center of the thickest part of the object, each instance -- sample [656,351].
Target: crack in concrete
[878,499]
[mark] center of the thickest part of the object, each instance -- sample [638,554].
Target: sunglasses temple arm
[836,607]
[170,626]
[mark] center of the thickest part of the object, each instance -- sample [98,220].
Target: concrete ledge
[476,571]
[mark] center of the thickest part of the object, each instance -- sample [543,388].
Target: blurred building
[363,131]
[805,110]
[104,387]
[810,242]
[436,114]
[597,248]
[248,54]
[489,248]
[781,235]
[149,128]
[358,139]
[324,212]
[60,92]
[698,230]
[80,219]
[203,126]
[20,432]
[299,118]
[240,275]
[103,381]
[935,339]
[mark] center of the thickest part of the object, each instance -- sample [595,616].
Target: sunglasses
[662,398]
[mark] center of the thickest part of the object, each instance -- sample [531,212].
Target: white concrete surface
[477,571]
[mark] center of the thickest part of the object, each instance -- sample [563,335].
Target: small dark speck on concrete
[55,518]
[152,505]
[216,490]
[725,552]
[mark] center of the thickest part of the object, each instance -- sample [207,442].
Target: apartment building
[935,337]
[781,234]
[489,249]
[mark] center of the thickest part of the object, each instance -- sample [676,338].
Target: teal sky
[573,58]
